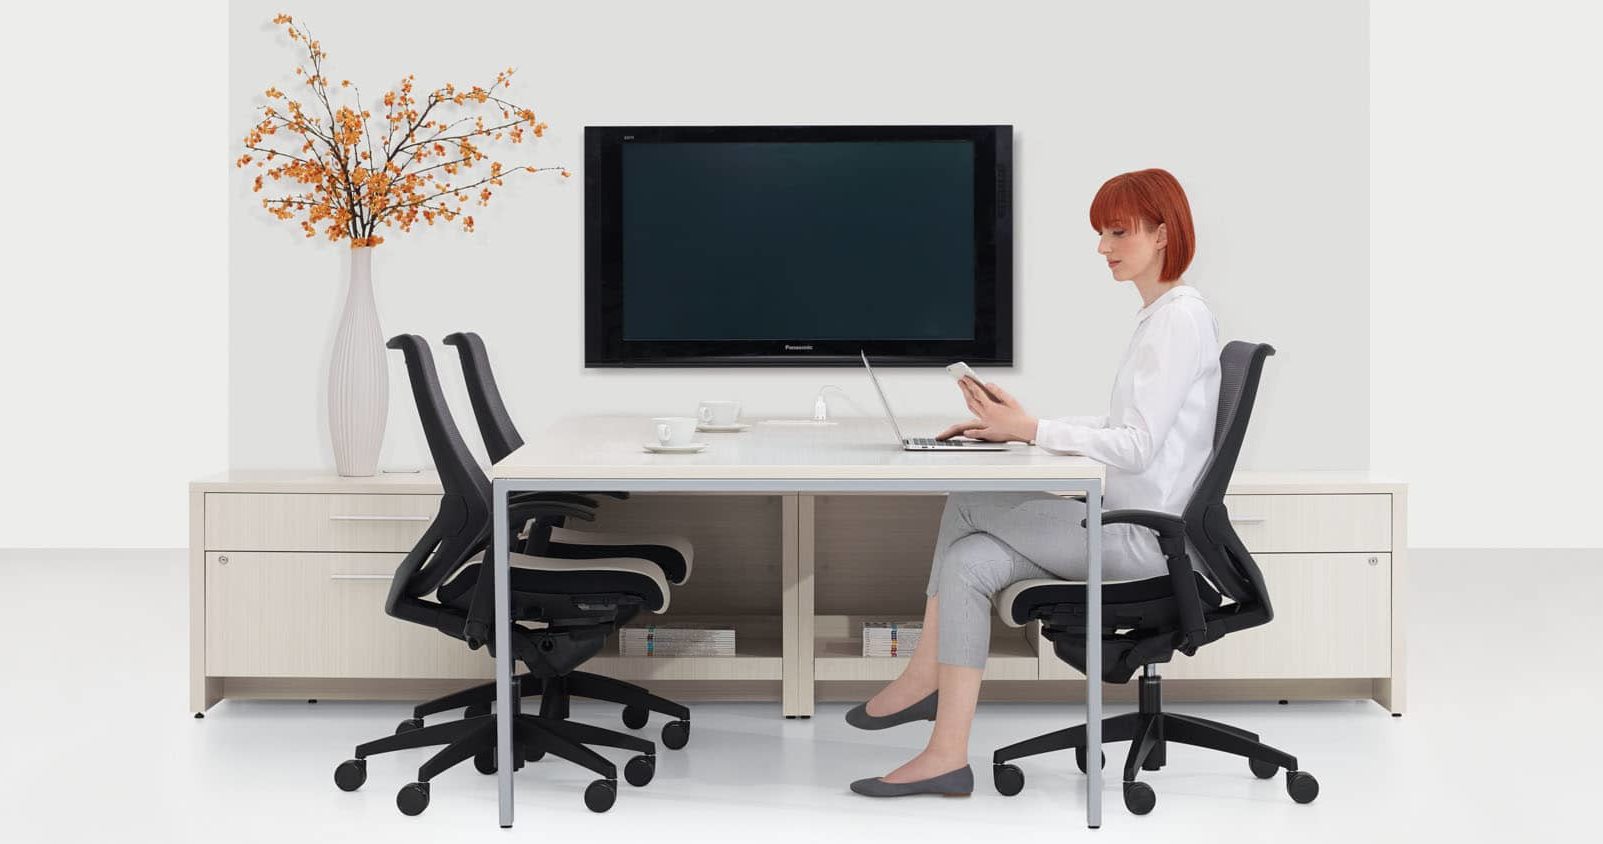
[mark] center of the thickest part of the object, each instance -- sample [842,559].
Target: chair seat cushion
[1017,603]
[673,554]
[546,575]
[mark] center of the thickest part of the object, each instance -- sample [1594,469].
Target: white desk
[853,455]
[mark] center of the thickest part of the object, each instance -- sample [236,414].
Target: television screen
[797,245]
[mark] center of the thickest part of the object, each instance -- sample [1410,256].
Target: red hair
[1146,199]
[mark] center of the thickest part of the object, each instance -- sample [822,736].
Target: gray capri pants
[990,540]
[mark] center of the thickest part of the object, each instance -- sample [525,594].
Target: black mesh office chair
[577,601]
[546,535]
[1144,622]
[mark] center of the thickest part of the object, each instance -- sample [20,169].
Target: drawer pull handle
[362,577]
[381,518]
[1246,520]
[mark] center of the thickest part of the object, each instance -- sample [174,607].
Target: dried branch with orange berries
[429,166]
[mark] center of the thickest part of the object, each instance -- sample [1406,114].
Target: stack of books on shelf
[676,640]
[891,638]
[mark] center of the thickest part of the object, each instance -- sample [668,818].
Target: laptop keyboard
[929,441]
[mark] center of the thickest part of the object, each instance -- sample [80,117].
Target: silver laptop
[925,443]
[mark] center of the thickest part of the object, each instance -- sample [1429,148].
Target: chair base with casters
[534,736]
[1149,730]
[555,694]
[575,623]
[550,653]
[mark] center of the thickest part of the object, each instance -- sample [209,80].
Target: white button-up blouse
[1158,432]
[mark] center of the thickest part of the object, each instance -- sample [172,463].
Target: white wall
[1259,108]
[1483,161]
[1486,287]
[113,330]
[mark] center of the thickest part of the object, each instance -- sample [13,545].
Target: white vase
[358,376]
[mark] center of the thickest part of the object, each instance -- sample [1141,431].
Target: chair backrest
[495,424]
[461,528]
[1230,567]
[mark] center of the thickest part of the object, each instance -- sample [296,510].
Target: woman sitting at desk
[1154,441]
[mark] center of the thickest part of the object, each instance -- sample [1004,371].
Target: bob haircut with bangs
[1145,199]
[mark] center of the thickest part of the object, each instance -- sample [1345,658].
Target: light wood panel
[873,553]
[318,482]
[738,541]
[784,568]
[346,688]
[336,522]
[790,691]
[319,615]
[1391,691]
[838,652]
[1272,524]
[203,690]
[1332,620]
[758,652]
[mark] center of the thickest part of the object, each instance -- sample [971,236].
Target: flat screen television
[798,245]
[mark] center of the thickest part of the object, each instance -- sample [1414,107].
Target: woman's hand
[998,419]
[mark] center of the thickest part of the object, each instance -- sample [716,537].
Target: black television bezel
[993,240]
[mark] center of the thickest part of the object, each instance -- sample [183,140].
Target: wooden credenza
[288,573]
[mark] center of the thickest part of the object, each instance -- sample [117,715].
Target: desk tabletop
[845,449]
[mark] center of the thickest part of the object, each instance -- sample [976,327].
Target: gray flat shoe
[958,783]
[924,710]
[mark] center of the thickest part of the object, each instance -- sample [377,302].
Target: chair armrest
[527,514]
[564,497]
[523,511]
[1171,531]
[1164,524]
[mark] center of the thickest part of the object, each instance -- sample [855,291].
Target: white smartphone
[961,370]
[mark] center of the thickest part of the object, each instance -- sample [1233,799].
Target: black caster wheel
[1139,798]
[475,711]
[676,734]
[409,725]
[413,798]
[533,754]
[484,762]
[1263,770]
[350,775]
[199,716]
[635,717]
[601,794]
[1080,759]
[1009,779]
[640,770]
[1302,786]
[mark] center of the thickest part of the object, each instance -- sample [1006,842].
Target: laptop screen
[882,400]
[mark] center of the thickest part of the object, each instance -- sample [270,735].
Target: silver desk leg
[1093,656]
[503,651]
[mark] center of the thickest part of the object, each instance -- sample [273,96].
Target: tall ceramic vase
[358,376]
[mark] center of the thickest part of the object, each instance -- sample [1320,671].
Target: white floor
[1498,745]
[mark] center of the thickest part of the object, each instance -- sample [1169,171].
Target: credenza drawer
[1275,524]
[316,522]
[319,615]
[1332,620]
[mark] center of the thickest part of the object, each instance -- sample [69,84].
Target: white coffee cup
[675,430]
[719,413]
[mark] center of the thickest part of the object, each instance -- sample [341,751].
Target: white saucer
[722,429]
[656,448]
